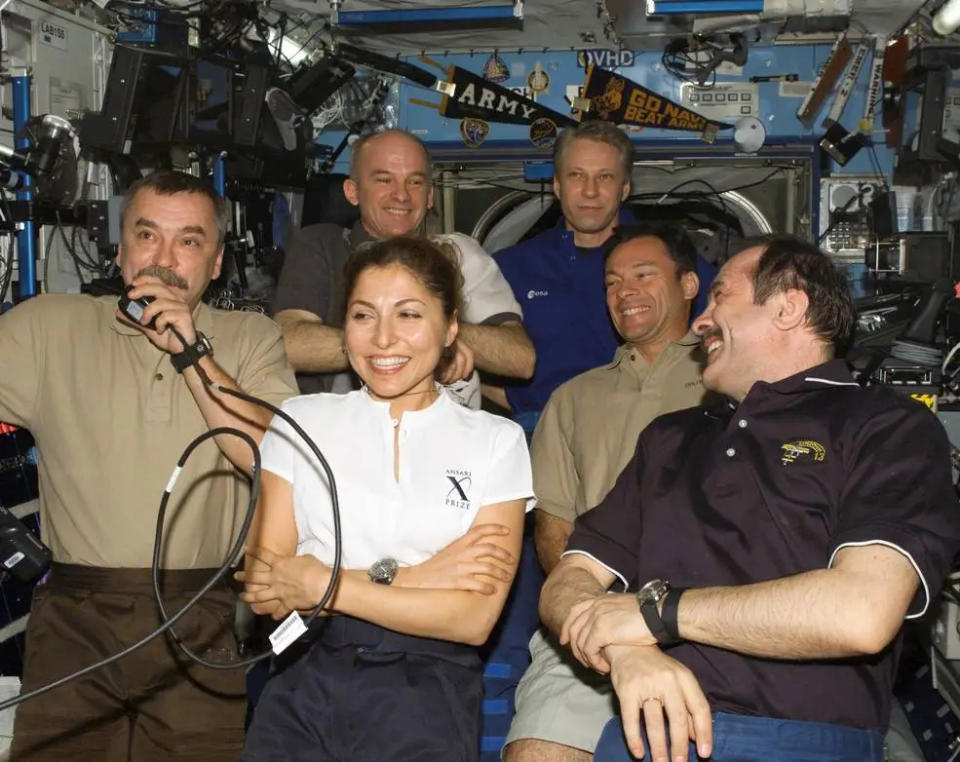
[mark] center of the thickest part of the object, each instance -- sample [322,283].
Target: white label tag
[725,101]
[174,476]
[53,35]
[14,560]
[289,630]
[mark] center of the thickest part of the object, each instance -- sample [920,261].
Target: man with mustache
[585,437]
[771,546]
[112,404]
[390,184]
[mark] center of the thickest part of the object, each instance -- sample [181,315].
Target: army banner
[614,98]
[474,97]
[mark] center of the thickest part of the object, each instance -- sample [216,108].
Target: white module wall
[68,58]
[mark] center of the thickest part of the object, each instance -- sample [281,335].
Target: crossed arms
[456,595]
[854,607]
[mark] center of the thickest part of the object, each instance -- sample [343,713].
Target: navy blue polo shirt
[773,487]
[561,290]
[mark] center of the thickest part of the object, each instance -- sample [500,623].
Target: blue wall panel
[564,69]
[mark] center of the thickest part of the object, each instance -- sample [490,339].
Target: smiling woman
[432,499]
[404,298]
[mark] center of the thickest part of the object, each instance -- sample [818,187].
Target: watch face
[383,571]
[654,590]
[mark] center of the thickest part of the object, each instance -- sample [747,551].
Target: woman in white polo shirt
[396,675]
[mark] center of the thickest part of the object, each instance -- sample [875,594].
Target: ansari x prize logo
[802,448]
[458,496]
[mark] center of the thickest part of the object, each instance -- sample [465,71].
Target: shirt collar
[690,339]
[833,374]
[827,376]
[359,235]
[411,417]
[624,217]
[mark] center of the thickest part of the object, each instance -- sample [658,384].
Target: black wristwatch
[383,571]
[191,355]
[648,598]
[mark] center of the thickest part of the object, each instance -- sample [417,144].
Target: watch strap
[671,604]
[191,355]
[648,610]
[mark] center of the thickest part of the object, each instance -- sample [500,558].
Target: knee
[535,750]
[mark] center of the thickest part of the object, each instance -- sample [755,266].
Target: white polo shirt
[453,460]
[487,297]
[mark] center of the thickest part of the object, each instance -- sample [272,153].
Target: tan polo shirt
[111,417]
[590,425]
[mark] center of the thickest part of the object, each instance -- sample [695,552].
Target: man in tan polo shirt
[586,435]
[112,405]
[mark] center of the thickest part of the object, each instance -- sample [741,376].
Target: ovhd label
[53,35]
[605,59]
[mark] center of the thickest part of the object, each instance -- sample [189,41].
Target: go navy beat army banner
[477,98]
[614,98]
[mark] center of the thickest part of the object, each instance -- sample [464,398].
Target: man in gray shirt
[390,184]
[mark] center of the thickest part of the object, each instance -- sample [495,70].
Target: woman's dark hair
[434,263]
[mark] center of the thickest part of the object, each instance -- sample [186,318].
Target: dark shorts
[352,691]
[151,705]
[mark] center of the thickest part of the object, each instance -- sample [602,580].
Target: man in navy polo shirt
[773,546]
[558,275]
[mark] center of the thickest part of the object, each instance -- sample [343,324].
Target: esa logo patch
[801,449]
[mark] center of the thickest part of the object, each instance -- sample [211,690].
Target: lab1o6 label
[53,35]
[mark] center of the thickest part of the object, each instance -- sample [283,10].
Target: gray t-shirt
[312,280]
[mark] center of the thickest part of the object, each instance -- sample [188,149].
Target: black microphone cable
[168,624]
[334,509]
[170,620]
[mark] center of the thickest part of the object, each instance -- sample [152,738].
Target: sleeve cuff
[614,572]
[502,317]
[556,510]
[922,598]
[531,501]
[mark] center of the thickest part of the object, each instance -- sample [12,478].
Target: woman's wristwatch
[383,571]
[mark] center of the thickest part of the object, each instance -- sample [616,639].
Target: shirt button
[731,452]
[742,423]
[158,377]
[632,357]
